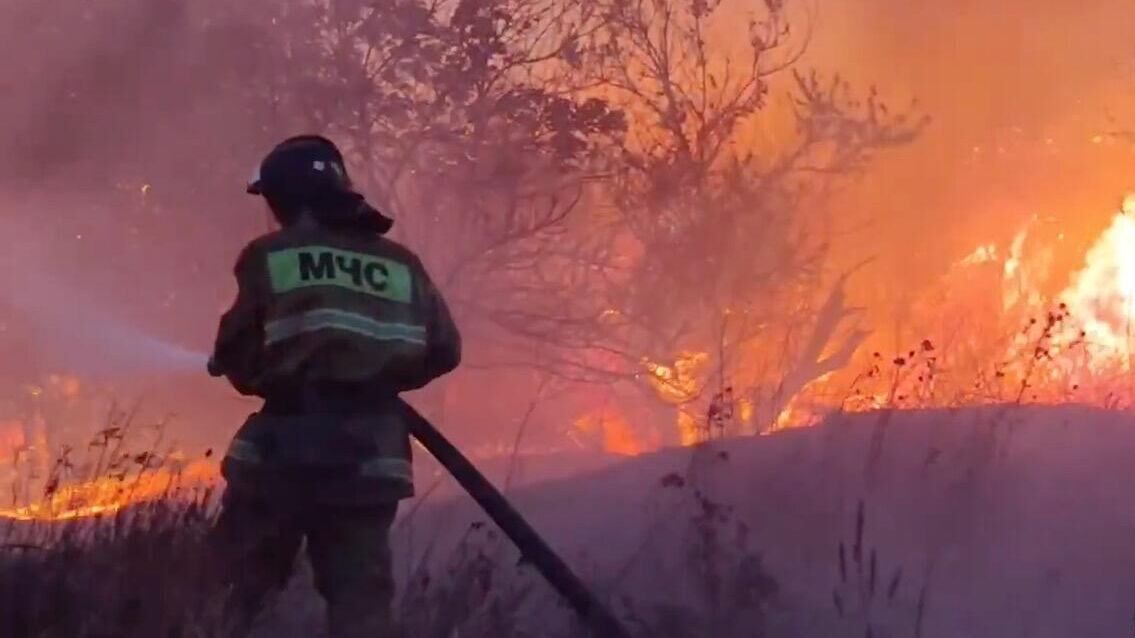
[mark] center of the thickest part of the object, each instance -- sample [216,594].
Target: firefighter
[331,322]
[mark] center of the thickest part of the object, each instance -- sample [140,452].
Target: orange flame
[1101,300]
[613,432]
[679,382]
[1102,295]
[108,495]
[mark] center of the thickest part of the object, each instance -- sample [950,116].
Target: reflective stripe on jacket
[329,458]
[321,309]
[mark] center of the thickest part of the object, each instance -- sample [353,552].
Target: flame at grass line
[108,495]
[1099,304]
[1102,295]
[613,432]
[1097,308]
[1100,301]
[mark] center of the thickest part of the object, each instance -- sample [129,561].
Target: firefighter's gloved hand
[214,368]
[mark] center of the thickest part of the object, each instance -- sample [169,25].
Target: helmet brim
[254,183]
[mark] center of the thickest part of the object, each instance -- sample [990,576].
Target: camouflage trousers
[257,542]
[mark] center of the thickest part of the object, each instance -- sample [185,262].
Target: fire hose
[533,548]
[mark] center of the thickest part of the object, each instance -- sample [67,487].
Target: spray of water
[108,346]
[74,328]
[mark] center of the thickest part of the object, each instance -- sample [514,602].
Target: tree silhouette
[601,186]
[716,238]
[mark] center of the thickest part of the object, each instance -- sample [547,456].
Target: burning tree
[591,180]
[708,266]
[609,190]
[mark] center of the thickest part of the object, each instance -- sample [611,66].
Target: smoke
[1026,99]
[155,111]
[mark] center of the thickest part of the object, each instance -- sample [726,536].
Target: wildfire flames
[1094,312]
[1103,293]
[612,431]
[1099,302]
[112,494]
[678,384]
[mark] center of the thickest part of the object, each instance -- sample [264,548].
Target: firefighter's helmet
[308,171]
[300,165]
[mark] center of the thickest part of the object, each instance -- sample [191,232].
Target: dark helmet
[308,171]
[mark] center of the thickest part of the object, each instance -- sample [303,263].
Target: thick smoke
[1026,98]
[129,135]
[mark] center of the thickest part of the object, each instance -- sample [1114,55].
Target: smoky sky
[1025,98]
[127,141]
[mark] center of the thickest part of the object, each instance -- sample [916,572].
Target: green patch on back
[323,266]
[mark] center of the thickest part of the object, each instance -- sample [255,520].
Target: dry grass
[144,571]
[866,595]
[137,573]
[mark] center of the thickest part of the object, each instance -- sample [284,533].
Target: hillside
[1004,521]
